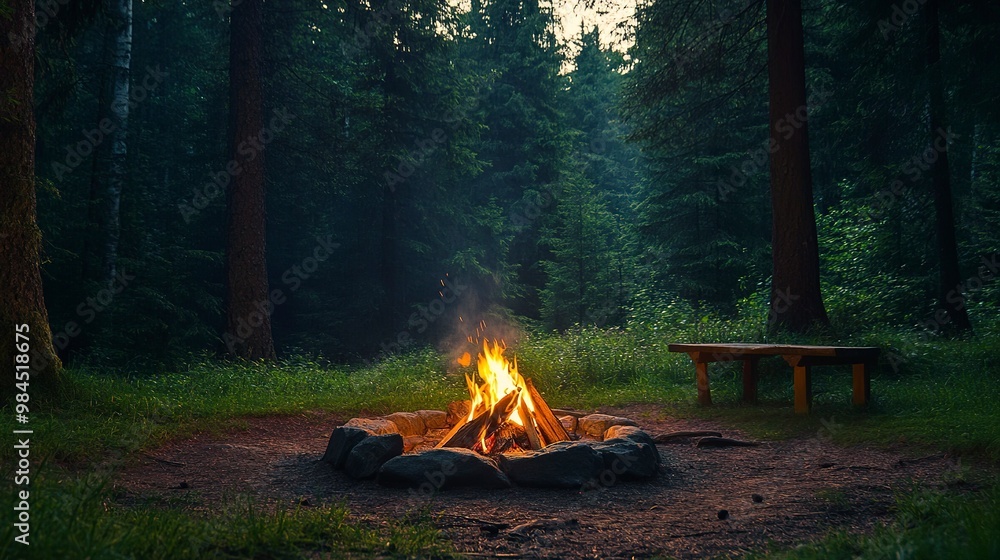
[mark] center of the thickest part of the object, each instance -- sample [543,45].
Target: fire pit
[504,434]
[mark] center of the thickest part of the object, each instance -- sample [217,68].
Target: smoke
[477,320]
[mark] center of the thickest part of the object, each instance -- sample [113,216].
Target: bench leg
[862,383]
[704,395]
[750,380]
[803,390]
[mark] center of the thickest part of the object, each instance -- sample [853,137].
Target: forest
[218,212]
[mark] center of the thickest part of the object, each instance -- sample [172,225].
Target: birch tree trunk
[119,13]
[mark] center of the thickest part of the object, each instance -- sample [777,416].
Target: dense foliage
[427,162]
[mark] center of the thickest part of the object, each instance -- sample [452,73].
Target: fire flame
[499,378]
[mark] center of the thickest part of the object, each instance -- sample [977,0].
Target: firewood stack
[492,431]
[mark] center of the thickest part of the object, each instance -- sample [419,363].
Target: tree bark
[949,292]
[21,300]
[248,318]
[796,301]
[119,13]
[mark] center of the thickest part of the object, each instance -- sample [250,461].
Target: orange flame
[499,378]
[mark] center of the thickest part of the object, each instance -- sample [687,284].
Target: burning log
[550,429]
[487,422]
[508,438]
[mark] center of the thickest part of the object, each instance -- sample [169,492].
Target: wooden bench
[801,358]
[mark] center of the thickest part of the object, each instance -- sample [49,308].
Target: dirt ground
[808,486]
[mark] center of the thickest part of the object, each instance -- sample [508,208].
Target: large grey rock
[561,465]
[376,426]
[408,423]
[632,433]
[434,419]
[342,441]
[627,459]
[438,469]
[596,424]
[371,453]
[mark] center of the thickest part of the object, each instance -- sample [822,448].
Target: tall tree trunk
[796,301]
[247,308]
[119,13]
[958,318]
[21,300]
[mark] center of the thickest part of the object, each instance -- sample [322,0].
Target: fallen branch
[725,442]
[524,530]
[164,461]
[675,437]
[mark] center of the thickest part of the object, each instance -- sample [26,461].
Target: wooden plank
[750,379]
[859,353]
[847,352]
[550,429]
[704,394]
[803,390]
[724,352]
[806,360]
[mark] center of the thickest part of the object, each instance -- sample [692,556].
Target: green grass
[79,518]
[939,396]
[97,413]
[929,524]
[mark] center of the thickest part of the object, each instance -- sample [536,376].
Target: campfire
[508,414]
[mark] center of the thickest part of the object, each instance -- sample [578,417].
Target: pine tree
[248,305]
[796,301]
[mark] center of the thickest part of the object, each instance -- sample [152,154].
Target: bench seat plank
[801,357]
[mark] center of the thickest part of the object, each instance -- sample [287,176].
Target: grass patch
[97,416]
[79,518]
[929,524]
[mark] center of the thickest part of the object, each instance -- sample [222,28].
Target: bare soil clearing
[804,487]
